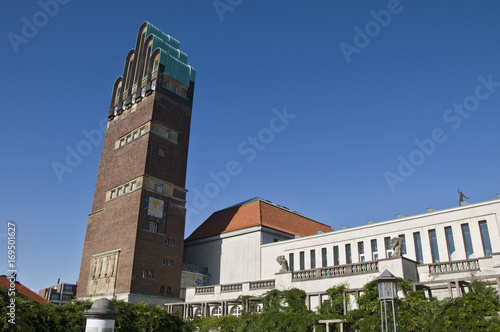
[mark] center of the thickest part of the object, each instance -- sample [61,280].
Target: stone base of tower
[135,298]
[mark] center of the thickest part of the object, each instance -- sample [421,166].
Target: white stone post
[101,317]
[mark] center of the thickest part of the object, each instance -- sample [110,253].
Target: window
[374,246]
[290,261]
[172,243]
[153,227]
[197,312]
[169,290]
[165,84]
[336,255]
[162,290]
[467,241]
[155,65]
[113,193]
[388,249]
[434,246]
[450,244]
[151,275]
[361,251]
[258,309]
[324,258]
[122,142]
[166,242]
[161,152]
[348,258]
[174,88]
[418,248]
[144,274]
[217,312]
[129,138]
[302,261]
[158,187]
[134,185]
[146,66]
[485,238]
[127,188]
[165,262]
[170,263]
[236,311]
[313,259]
[136,134]
[403,245]
[120,191]
[143,130]
[184,93]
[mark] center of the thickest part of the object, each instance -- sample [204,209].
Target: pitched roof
[22,290]
[257,212]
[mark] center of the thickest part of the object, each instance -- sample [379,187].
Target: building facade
[439,251]
[133,244]
[59,294]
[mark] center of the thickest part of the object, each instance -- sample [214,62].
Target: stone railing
[231,288]
[205,290]
[262,284]
[454,266]
[336,271]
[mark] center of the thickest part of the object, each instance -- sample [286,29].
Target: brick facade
[129,257]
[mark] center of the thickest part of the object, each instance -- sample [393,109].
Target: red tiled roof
[22,290]
[257,212]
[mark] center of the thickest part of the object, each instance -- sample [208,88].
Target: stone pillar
[101,317]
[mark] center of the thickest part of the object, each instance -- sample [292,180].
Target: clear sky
[344,111]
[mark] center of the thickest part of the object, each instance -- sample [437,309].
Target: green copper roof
[174,60]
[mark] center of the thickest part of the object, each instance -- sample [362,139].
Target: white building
[440,251]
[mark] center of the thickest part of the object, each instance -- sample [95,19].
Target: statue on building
[396,246]
[462,196]
[284,264]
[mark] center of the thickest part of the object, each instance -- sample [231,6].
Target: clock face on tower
[155,207]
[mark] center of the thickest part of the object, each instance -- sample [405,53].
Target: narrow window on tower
[169,290]
[485,237]
[313,259]
[161,152]
[151,275]
[144,274]
[162,289]
[172,242]
[170,263]
[164,262]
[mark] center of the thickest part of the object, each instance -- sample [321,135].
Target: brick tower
[134,241]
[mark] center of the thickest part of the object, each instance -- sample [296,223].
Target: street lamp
[388,294]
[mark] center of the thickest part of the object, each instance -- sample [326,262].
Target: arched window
[217,312]
[197,312]
[258,309]
[236,311]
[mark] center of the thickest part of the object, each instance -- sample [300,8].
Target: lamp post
[388,296]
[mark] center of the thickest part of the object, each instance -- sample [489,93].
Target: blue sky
[345,111]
